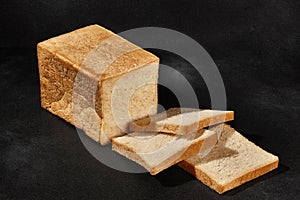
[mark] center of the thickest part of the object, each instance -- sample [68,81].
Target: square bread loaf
[97,81]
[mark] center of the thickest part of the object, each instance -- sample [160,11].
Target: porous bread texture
[78,56]
[181,121]
[158,151]
[142,100]
[232,162]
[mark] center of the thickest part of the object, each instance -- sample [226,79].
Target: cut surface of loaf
[181,121]
[158,151]
[233,161]
[87,72]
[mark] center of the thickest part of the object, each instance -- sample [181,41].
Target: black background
[255,45]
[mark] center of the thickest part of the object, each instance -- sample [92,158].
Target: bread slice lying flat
[181,121]
[158,151]
[232,162]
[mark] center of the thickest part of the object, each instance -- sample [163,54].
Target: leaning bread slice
[158,151]
[232,162]
[181,121]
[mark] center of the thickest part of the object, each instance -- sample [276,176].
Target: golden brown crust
[50,67]
[75,46]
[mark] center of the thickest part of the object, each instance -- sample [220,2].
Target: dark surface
[254,44]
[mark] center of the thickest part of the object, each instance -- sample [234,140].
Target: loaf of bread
[158,151]
[107,86]
[232,162]
[181,121]
[97,81]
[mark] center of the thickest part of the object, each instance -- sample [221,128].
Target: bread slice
[232,162]
[181,121]
[114,73]
[158,151]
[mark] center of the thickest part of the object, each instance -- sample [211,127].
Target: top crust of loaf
[74,47]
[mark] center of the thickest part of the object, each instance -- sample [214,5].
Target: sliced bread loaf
[232,162]
[181,121]
[97,81]
[157,152]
